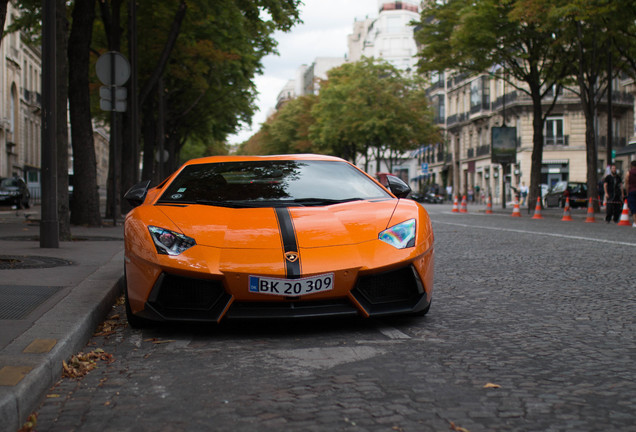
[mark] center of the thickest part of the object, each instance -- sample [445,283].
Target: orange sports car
[273,237]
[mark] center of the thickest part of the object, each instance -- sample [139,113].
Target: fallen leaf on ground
[491,385]
[31,422]
[454,427]
[81,364]
[158,341]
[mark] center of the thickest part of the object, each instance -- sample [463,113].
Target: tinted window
[9,182]
[271,183]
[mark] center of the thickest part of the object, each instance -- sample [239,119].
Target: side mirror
[398,187]
[137,194]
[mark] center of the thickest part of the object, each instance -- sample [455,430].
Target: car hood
[334,225]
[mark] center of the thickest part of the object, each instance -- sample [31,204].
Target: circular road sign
[104,66]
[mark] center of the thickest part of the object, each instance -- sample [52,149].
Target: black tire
[133,320]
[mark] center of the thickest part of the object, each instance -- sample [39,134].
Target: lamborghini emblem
[291,256]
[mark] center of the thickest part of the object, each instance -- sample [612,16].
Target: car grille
[390,292]
[177,297]
[299,309]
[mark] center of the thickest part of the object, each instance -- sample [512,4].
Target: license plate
[291,287]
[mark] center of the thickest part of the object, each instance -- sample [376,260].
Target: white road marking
[393,333]
[598,240]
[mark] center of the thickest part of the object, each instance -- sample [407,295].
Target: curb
[71,322]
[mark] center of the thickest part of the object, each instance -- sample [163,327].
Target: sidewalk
[579,213]
[51,300]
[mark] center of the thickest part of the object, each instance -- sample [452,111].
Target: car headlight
[401,235]
[169,242]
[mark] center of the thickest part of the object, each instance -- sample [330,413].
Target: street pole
[609,108]
[115,142]
[134,96]
[49,225]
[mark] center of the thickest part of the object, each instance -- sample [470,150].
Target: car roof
[234,158]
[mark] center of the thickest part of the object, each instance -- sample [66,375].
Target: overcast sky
[323,33]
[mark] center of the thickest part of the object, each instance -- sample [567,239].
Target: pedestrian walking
[612,186]
[630,190]
[524,193]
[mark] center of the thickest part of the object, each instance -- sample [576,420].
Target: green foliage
[288,132]
[370,105]
[194,148]
[209,87]
[472,36]
[28,21]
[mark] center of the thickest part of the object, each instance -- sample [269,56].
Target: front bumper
[179,298]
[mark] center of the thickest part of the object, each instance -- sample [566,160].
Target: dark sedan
[14,192]
[576,192]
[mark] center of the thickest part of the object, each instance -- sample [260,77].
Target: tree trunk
[537,145]
[85,207]
[149,135]
[130,138]
[3,16]
[112,24]
[63,210]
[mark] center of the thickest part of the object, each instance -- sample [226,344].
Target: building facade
[20,105]
[389,36]
[467,108]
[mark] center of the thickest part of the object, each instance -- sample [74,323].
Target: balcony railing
[483,150]
[509,98]
[563,140]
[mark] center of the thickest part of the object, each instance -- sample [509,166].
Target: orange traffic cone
[624,220]
[537,210]
[515,211]
[489,205]
[455,208]
[590,212]
[463,208]
[566,211]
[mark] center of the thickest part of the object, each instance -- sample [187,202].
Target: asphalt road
[532,328]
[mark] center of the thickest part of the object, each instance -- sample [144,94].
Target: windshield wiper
[233,203]
[323,201]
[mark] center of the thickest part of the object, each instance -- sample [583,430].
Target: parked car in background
[577,192]
[14,192]
[426,197]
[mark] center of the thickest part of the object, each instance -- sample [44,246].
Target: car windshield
[271,183]
[9,182]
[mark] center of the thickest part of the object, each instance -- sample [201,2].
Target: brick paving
[541,310]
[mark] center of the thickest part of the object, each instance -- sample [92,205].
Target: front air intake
[390,292]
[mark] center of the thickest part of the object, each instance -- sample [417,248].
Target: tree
[85,208]
[595,32]
[207,76]
[288,130]
[63,205]
[371,107]
[520,35]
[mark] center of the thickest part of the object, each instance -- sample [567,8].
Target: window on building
[475,93]
[394,24]
[485,91]
[554,131]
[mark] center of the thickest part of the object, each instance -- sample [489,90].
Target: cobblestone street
[531,329]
